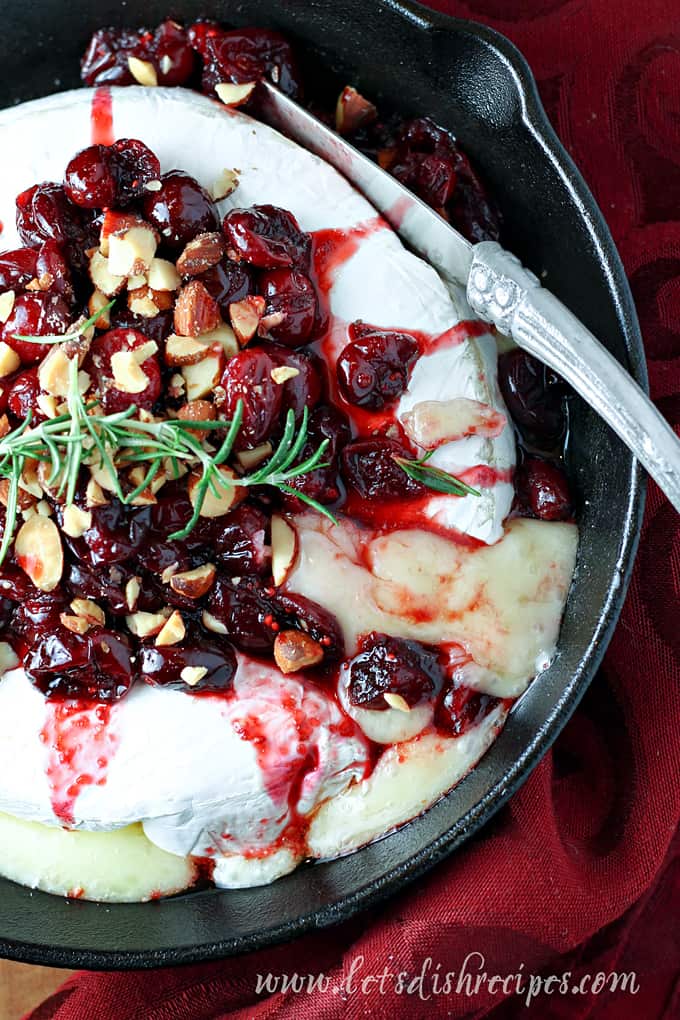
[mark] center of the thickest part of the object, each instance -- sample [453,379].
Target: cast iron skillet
[472,80]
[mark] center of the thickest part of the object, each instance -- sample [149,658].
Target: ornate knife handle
[500,290]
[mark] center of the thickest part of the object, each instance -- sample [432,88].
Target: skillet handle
[503,292]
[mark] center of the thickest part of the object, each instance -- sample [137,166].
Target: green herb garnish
[434,477]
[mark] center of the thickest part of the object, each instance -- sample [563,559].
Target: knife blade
[424,230]
[501,291]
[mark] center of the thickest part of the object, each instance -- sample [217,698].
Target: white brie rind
[380,283]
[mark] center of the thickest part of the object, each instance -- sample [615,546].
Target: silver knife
[501,291]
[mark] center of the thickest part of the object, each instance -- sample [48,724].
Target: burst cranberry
[105,61]
[304,389]
[239,541]
[180,210]
[35,314]
[14,583]
[195,670]
[106,586]
[200,31]
[134,166]
[98,362]
[462,708]
[291,307]
[428,161]
[116,533]
[245,55]
[267,237]
[247,613]
[322,484]
[533,394]
[155,327]
[389,665]
[44,213]
[543,490]
[248,378]
[375,370]
[300,613]
[22,396]
[369,467]
[97,666]
[226,282]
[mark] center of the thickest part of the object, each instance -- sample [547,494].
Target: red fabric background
[580,871]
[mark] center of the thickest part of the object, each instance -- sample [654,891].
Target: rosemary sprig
[74,334]
[433,477]
[82,437]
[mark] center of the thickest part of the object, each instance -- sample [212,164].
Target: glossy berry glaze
[348,377]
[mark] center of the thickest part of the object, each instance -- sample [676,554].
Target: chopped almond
[6,305]
[143,71]
[39,553]
[196,311]
[76,521]
[173,631]
[202,379]
[9,360]
[198,410]
[97,302]
[353,111]
[76,624]
[132,252]
[225,185]
[215,506]
[249,459]
[132,592]
[128,375]
[282,373]
[193,675]
[245,317]
[24,499]
[194,583]
[397,701]
[104,280]
[294,650]
[163,276]
[211,623]
[146,624]
[202,253]
[88,610]
[185,350]
[234,95]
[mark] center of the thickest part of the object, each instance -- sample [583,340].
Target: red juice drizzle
[79,743]
[396,214]
[101,117]
[333,247]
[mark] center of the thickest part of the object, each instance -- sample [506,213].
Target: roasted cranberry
[180,210]
[98,362]
[97,666]
[17,268]
[22,395]
[200,31]
[52,269]
[322,484]
[106,59]
[6,612]
[428,161]
[35,314]
[226,282]
[183,666]
[300,613]
[106,586]
[239,541]
[117,532]
[243,607]
[304,389]
[292,307]
[245,55]
[390,665]
[44,213]
[174,57]
[14,583]
[375,370]
[267,237]
[90,180]
[461,708]
[368,466]
[533,394]
[155,327]
[543,490]
[134,166]
[248,377]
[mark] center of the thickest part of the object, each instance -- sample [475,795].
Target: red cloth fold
[580,872]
